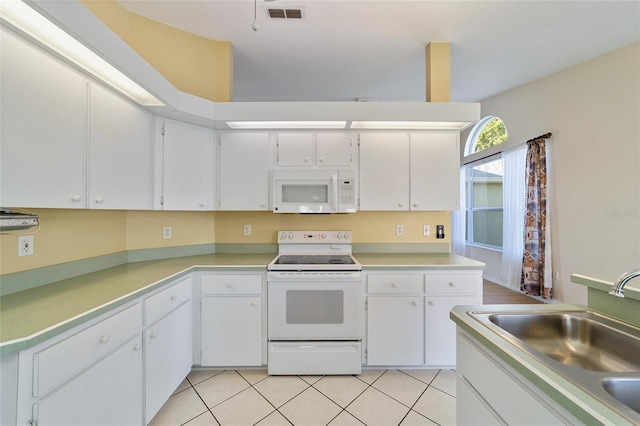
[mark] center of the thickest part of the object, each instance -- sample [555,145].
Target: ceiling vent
[296,13]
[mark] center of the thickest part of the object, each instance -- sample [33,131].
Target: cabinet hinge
[358,140]
[33,422]
[366,354]
[162,129]
[366,304]
[162,201]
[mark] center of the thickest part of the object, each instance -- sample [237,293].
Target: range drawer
[165,301]
[231,284]
[453,283]
[57,363]
[395,283]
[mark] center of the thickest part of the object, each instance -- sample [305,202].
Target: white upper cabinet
[435,170]
[120,175]
[187,167]
[384,171]
[409,171]
[304,149]
[44,110]
[244,171]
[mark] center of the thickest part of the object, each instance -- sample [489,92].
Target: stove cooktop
[314,259]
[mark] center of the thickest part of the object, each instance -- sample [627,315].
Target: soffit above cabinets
[75,19]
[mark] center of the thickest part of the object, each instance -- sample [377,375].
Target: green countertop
[32,316]
[576,400]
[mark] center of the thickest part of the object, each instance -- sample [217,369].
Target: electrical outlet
[426,230]
[25,245]
[167,232]
[439,231]
[247,230]
[399,230]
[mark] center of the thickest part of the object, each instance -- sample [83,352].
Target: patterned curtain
[534,260]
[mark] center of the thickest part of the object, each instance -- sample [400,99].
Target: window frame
[470,209]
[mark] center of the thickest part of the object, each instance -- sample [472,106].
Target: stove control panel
[314,237]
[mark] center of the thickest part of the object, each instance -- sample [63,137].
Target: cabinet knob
[415,204]
[451,284]
[321,159]
[254,304]
[306,159]
[99,200]
[153,335]
[201,204]
[173,297]
[263,205]
[400,205]
[229,285]
[430,303]
[414,303]
[104,338]
[76,198]
[394,285]
[136,347]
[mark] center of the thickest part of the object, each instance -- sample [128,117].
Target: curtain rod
[545,136]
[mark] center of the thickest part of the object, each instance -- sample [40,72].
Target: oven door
[314,310]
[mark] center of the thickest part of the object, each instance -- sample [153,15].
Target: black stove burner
[314,259]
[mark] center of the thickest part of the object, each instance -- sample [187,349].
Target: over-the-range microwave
[314,191]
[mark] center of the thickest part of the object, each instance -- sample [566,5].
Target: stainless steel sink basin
[595,352]
[578,339]
[624,389]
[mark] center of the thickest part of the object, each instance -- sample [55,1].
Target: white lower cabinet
[395,330]
[231,320]
[168,357]
[490,392]
[408,320]
[107,393]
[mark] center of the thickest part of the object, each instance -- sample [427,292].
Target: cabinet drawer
[453,283]
[56,363]
[231,284]
[395,283]
[160,304]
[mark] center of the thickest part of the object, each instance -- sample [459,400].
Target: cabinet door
[440,331]
[384,171]
[168,357]
[395,330]
[231,331]
[43,132]
[471,409]
[119,153]
[335,149]
[188,179]
[244,171]
[295,149]
[108,393]
[435,171]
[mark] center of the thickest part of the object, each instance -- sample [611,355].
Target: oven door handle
[334,181]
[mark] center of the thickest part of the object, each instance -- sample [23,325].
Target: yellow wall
[367,227]
[144,229]
[193,64]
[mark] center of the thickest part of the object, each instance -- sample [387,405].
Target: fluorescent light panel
[37,26]
[411,125]
[287,124]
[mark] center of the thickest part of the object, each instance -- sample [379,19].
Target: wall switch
[439,231]
[556,275]
[166,232]
[247,230]
[426,230]
[25,245]
[399,230]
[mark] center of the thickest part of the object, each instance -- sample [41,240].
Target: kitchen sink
[578,339]
[624,389]
[597,353]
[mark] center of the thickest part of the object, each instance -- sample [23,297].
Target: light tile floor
[251,397]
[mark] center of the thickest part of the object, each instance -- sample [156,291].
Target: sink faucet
[622,280]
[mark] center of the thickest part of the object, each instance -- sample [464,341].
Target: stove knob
[291,236]
[323,236]
[339,236]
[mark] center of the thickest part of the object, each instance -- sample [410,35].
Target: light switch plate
[25,245]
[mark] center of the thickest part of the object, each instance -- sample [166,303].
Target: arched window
[487,132]
[483,185]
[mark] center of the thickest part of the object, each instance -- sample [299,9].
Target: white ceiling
[343,50]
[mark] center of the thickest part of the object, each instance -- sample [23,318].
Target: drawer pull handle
[104,339]
[153,335]
[173,297]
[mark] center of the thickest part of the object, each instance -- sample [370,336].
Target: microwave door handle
[334,181]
